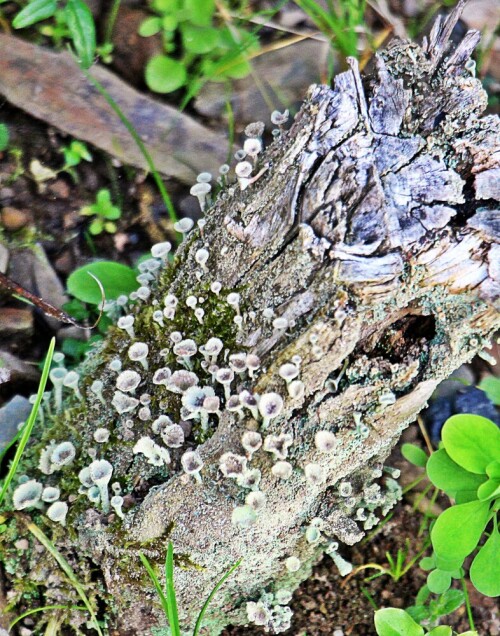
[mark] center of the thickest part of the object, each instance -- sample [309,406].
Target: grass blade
[216,588]
[45,609]
[65,567]
[30,422]
[156,583]
[173,616]
[140,144]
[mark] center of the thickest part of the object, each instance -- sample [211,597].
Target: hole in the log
[400,337]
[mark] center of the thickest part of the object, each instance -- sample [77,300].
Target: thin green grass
[46,609]
[173,614]
[66,568]
[167,597]
[30,422]
[140,144]
[157,586]
[219,584]
[339,24]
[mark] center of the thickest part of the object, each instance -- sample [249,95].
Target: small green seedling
[105,214]
[194,44]
[78,20]
[74,154]
[398,566]
[167,596]
[397,622]
[429,610]
[467,468]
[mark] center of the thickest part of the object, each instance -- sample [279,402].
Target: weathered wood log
[366,259]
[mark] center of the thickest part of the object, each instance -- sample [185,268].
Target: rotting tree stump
[373,238]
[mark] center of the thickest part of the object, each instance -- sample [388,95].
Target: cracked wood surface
[374,233]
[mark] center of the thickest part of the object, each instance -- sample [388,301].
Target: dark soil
[327,602]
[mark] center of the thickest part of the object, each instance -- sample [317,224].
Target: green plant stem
[427,515]
[230,129]
[413,483]
[45,609]
[467,604]
[65,567]
[30,422]
[115,7]
[140,144]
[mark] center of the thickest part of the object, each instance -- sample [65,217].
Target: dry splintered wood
[373,236]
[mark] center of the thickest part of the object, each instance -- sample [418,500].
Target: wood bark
[374,233]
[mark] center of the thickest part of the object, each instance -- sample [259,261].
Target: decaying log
[367,255]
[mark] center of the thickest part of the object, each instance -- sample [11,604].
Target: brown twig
[48,309]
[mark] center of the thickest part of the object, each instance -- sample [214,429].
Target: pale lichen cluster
[162,391]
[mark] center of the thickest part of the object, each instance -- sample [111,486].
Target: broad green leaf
[414,454]
[115,278]
[110,227]
[471,441]
[419,613]
[493,470]
[35,11]
[489,490]
[199,40]
[199,12]
[237,68]
[164,75]
[150,26]
[491,386]
[458,529]
[4,137]
[441,630]
[438,581]
[464,496]
[396,622]
[447,475]
[472,632]
[80,22]
[451,600]
[428,563]
[485,569]
[448,565]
